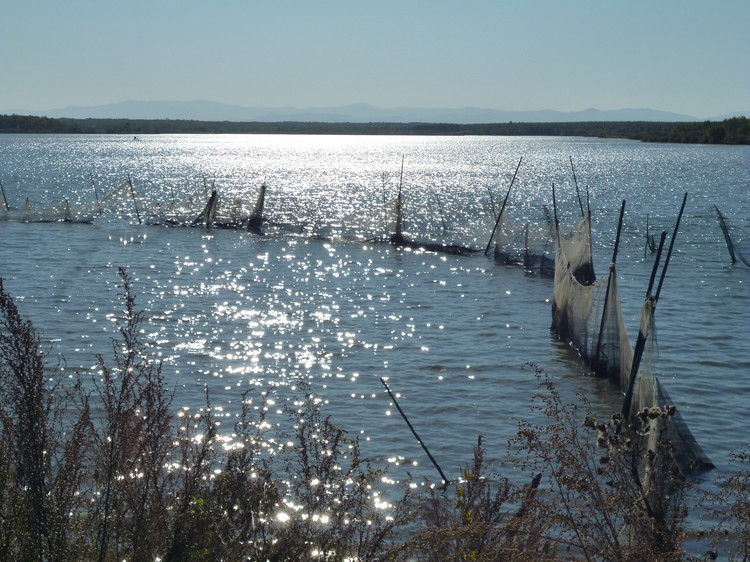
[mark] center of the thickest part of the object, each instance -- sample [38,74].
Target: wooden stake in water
[419,439]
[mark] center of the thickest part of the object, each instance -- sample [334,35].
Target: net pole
[440,209]
[640,343]
[492,204]
[619,231]
[135,202]
[578,193]
[96,194]
[414,432]
[5,200]
[595,362]
[671,245]
[554,205]
[398,235]
[505,201]
[725,232]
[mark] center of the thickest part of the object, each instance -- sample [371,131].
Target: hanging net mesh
[649,393]
[529,245]
[255,220]
[127,202]
[123,200]
[588,314]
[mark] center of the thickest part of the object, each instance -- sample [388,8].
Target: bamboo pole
[492,204]
[440,209]
[96,194]
[554,206]
[398,236]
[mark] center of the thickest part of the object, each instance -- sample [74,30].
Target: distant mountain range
[356,113]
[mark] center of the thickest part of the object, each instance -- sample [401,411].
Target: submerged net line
[401,239]
[529,245]
[588,314]
[122,200]
[255,219]
[734,252]
[235,213]
[126,201]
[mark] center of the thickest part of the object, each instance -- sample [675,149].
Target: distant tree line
[730,131]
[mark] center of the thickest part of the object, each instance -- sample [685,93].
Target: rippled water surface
[321,299]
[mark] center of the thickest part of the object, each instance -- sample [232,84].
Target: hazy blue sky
[687,56]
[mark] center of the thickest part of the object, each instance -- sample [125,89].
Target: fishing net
[181,211]
[587,312]
[122,200]
[255,220]
[220,212]
[63,212]
[734,252]
[208,214]
[649,393]
[127,202]
[531,246]
[228,213]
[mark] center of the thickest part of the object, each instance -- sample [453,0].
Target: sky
[687,56]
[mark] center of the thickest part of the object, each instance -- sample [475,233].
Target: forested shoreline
[729,131]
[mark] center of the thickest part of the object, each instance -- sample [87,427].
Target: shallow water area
[322,299]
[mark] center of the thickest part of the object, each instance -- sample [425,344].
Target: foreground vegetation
[730,131]
[108,469]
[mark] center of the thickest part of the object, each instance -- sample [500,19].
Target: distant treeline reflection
[729,131]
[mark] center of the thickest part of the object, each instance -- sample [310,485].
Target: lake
[322,299]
